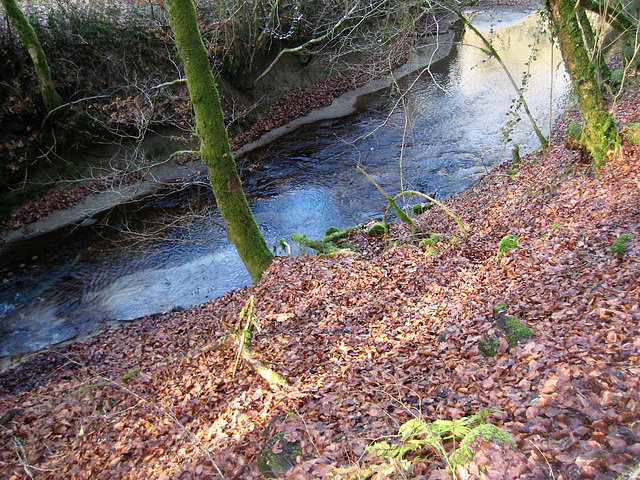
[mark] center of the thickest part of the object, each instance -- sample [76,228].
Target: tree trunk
[50,96]
[215,151]
[599,133]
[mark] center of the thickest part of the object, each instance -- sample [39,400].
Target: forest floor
[370,340]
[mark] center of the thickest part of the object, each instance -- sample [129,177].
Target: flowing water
[170,250]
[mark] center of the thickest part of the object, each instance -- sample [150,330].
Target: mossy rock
[377,229]
[632,133]
[488,345]
[277,456]
[514,330]
[421,208]
[333,234]
[482,433]
[346,245]
[506,326]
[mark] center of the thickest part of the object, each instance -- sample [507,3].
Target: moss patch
[377,229]
[508,243]
[515,331]
[508,327]
[632,133]
[620,245]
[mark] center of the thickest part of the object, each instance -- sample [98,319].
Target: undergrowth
[451,441]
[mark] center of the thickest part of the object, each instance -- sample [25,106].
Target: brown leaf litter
[369,340]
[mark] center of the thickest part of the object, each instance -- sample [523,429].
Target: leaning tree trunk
[29,39]
[215,151]
[599,133]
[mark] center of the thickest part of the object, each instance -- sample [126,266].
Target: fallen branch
[242,336]
[392,202]
[315,244]
[153,405]
[451,213]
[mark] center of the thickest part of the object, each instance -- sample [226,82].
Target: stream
[169,251]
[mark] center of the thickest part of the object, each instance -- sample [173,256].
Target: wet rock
[450,329]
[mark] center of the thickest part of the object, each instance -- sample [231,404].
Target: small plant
[451,440]
[132,373]
[508,243]
[431,240]
[404,218]
[285,246]
[632,474]
[555,226]
[620,245]
[86,388]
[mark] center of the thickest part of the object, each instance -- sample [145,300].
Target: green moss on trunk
[215,151]
[50,96]
[599,135]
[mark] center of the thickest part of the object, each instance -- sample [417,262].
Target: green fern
[417,435]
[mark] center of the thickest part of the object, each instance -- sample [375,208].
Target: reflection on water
[170,251]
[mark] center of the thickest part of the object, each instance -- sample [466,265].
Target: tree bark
[599,133]
[27,34]
[215,151]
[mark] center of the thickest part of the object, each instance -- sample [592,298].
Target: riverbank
[370,340]
[332,98]
[335,98]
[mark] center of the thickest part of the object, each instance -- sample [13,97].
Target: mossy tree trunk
[599,133]
[215,151]
[27,34]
